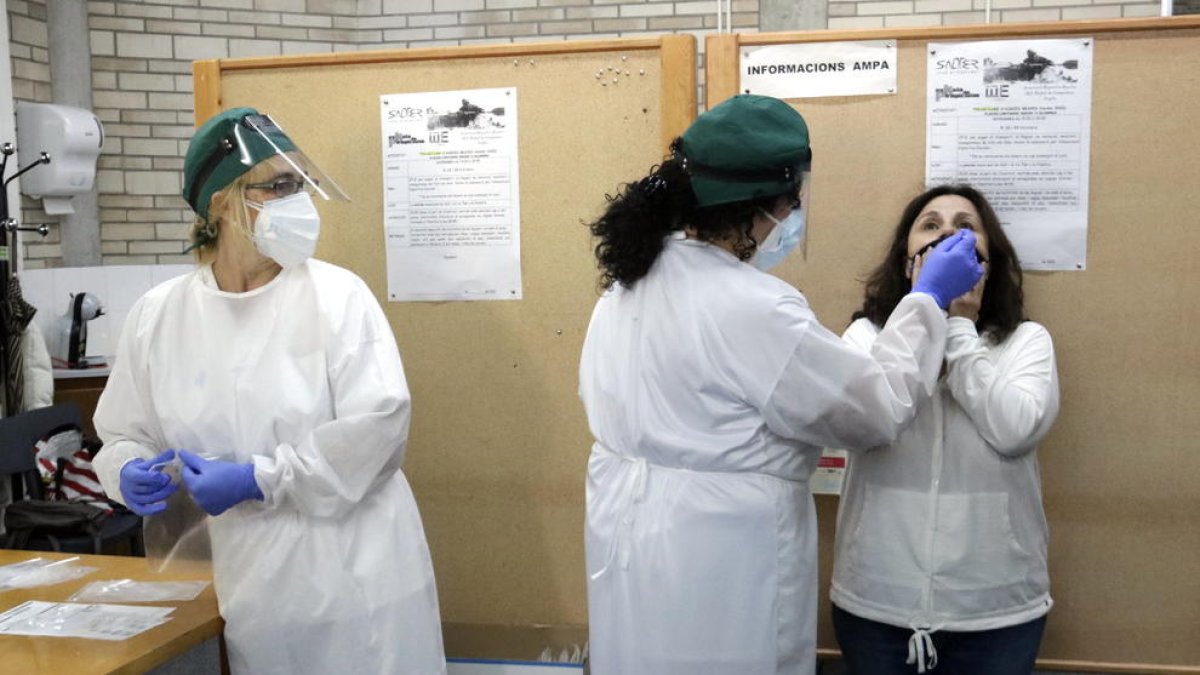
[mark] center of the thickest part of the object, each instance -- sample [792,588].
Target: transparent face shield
[806,188]
[176,539]
[805,198]
[265,129]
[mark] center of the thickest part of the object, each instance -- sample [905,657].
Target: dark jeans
[873,648]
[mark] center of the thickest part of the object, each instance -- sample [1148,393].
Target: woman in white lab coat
[940,559]
[710,388]
[276,380]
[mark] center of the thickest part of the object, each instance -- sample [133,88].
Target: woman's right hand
[949,270]
[144,487]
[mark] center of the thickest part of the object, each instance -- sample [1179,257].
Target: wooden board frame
[678,54]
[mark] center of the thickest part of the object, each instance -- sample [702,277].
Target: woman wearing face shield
[940,560]
[275,380]
[710,389]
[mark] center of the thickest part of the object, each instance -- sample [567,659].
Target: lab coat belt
[633,493]
[634,489]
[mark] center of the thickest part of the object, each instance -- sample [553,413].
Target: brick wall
[888,13]
[142,53]
[141,76]
[141,84]
[28,45]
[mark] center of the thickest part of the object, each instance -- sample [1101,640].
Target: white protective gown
[331,573]
[710,388]
[944,529]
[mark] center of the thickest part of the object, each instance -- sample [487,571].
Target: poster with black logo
[451,195]
[1013,118]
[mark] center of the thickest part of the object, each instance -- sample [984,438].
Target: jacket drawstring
[921,650]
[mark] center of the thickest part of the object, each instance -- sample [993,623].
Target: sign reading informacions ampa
[816,69]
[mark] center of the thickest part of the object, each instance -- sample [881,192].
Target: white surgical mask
[784,237]
[286,229]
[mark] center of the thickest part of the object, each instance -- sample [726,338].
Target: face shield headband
[252,140]
[265,127]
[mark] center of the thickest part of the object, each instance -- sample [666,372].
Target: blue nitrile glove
[951,269]
[145,489]
[216,485]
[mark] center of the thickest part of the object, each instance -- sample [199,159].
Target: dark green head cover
[746,147]
[225,147]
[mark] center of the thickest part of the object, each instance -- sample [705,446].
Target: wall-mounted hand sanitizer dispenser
[73,137]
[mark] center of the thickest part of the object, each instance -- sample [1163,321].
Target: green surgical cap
[226,147]
[746,147]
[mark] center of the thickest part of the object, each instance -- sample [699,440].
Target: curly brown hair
[632,229]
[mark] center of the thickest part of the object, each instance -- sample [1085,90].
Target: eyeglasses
[284,186]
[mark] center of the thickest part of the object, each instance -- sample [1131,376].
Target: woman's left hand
[967,305]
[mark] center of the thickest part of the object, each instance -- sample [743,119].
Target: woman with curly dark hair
[940,559]
[710,388]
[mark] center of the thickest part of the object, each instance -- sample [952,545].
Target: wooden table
[192,623]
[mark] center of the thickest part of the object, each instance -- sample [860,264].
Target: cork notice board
[499,442]
[1121,469]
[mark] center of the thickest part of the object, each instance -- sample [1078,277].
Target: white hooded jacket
[944,529]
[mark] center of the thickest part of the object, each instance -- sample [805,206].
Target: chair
[18,464]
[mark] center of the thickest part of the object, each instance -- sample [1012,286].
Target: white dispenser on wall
[72,137]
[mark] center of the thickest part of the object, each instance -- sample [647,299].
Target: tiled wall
[142,53]
[118,287]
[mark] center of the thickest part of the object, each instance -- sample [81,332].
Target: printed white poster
[1013,118]
[451,209]
[815,69]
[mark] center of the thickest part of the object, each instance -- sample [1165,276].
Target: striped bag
[65,463]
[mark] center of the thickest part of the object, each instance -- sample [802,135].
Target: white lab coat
[710,389]
[944,529]
[38,391]
[331,573]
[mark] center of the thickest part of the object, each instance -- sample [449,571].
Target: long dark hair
[1003,307]
[641,214]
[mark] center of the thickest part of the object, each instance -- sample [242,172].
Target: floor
[204,660]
